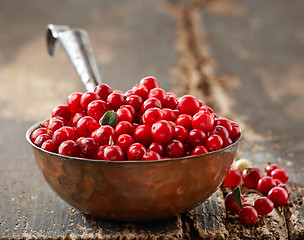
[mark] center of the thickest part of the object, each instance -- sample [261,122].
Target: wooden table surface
[244,58]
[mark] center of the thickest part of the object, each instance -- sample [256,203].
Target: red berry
[124,127]
[63,134]
[158,93]
[231,205]
[263,206]
[99,153]
[221,131]
[251,176]
[152,115]
[233,178]
[162,131]
[136,151]
[131,109]
[278,196]
[188,104]
[151,103]
[196,137]
[41,139]
[55,123]
[86,98]
[88,146]
[175,149]
[214,142]
[203,121]
[115,100]
[75,118]
[286,187]
[97,108]
[277,182]
[135,101]
[224,123]
[236,131]
[198,150]
[265,184]
[169,115]
[103,91]
[157,147]
[113,153]
[62,111]
[151,155]
[38,132]
[150,82]
[270,168]
[184,120]
[124,141]
[74,102]
[141,91]
[170,102]
[50,146]
[142,134]
[180,133]
[86,125]
[248,215]
[103,134]
[280,174]
[123,114]
[69,148]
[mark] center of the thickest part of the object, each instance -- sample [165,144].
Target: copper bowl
[134,190]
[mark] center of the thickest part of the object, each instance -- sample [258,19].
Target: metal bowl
[134,190]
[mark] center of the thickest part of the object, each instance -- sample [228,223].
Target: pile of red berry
[272,185]
[144,123]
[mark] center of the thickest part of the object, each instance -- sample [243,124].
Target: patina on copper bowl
[134,190]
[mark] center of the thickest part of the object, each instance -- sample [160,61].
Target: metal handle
[76,43]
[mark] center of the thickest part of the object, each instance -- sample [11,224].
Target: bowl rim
[35,126]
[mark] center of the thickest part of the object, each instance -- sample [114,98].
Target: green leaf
[109,118]
[236,195]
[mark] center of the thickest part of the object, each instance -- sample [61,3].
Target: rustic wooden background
[244,58]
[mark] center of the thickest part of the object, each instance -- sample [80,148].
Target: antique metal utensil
[126,190]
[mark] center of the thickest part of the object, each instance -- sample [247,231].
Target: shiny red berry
[151,155]
[169,114]
[41,139]
[251,176]
[141,91]
[224,122]
[270,168]
[136,151]
[175,149]
[180,133]
[86,98]
[152,116]
[74,102]
[150,82]
[124,127]
[50,146]
[103,91]
[135,101]
[63,134]
[230,204]
[199,150]
[286,187]
[86,125]
[55,123]
[69,148]
[221,131]
[248,215]
[38,132]
[88,146]
[123,114]
[188,104]
[103,134]
[278,196]
[162,131]
[203,121]
[233,178]
[63,111]
[263,206]
[214,142]
[158,93]
[265,184]
[280,174]
[97,108]
[184,120]
[151,103]
[113,153]
[143,134]
[124,141]
[196,137]
[115,100]
[157,147]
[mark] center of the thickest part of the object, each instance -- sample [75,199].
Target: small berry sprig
[273,186]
